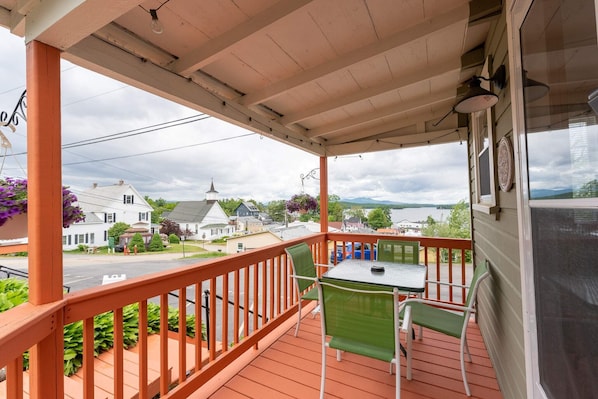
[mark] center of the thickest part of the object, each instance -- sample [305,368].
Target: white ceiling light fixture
[477,98]
[156,24]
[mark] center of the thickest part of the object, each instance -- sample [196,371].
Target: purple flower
[13,201]
[303,202]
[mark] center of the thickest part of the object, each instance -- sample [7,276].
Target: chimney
[121,182]
[95,185]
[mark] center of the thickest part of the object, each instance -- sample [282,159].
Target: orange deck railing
[258,283]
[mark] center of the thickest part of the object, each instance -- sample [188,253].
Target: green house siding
[495,237]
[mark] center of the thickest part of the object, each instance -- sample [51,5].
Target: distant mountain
[370,203]
[552,194]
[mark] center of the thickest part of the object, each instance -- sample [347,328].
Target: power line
[138,131]
[158,151]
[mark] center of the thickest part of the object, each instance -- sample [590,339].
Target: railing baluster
[182,334]
[142,345]
[118,349]
[164,344]
[237,300]
[246,301]
[256,304]
[14,378]
[88,358]
[225,312]
[212,342]
[264,291]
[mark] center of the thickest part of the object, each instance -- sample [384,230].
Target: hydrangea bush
[13,201]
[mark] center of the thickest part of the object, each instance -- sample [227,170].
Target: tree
[335,209]
[169,227]
[156,243]
[137,240]
[117,230]
[379,218]
[276,210]
[357,212]
[229,205]
[459,221]
[159,206]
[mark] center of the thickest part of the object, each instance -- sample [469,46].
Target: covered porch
[251,350]
[332,78]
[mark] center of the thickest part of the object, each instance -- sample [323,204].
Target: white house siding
[103,206]
[88,234]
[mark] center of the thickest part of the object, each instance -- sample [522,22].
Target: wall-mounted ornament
[506,169]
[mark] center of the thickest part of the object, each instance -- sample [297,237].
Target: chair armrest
[449,284]
[314,279]
[323,265]
[437,304]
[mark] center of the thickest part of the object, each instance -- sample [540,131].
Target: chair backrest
[398,251]
[303,265]
[479,274]
[360,318]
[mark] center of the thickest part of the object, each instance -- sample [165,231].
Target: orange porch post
[44,210]
[323,205]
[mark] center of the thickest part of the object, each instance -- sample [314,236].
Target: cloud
[179,162]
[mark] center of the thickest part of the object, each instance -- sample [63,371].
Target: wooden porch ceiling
[333,77]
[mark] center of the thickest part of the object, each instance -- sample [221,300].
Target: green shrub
[137,240]
[174,239]
[13,292]
[156,243]
[82,247]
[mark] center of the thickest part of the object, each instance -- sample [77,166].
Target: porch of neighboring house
[261,358]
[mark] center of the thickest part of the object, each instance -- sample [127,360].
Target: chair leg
[298,318]
[410,338]
[398,378]
[323,380]
[462,356]
[467,349]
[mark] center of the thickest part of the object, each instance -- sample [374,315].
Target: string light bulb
[156,25]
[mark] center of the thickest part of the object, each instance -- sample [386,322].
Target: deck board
[291,367]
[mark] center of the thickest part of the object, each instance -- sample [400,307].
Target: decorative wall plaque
[505,164]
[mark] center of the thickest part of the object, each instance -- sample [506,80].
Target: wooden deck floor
[290,368]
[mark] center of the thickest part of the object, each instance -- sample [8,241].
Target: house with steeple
[202,220]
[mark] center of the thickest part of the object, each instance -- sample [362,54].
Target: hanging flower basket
[13,208]
[15,227]
[302,203]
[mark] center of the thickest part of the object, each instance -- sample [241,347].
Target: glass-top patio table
[406,277]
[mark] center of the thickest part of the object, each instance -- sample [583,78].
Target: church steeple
[212,194]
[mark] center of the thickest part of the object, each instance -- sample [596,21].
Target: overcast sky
[179,162]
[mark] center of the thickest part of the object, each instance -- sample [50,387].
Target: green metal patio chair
[398,251]
[361,319]
[450,319]
[304,274]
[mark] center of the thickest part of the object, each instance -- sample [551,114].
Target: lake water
[418,214]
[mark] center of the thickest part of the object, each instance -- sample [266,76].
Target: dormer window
[128,199]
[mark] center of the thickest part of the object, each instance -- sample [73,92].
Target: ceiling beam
[61,24]
[390,128]
[401,38]
[388,111]
[207,53]
[408,140]
[363,94]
